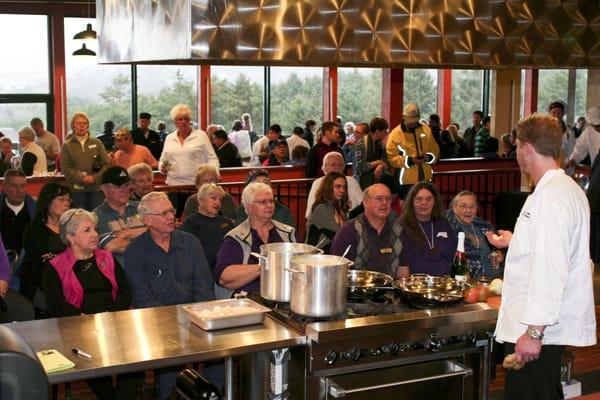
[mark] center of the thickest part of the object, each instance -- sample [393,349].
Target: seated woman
[208,173]
[236,268]
[329,212]
[41,241]
[84,279]
[429,242]
[278,155]
[462,216]
[282,212]
[206,224]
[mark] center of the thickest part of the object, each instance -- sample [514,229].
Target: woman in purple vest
[84,279]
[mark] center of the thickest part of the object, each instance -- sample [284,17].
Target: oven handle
[336,391]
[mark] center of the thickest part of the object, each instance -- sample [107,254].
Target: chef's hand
[500,240]
[3,288]
[527,349]
[89,180]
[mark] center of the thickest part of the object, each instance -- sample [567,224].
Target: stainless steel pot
[319,284]
[274,259]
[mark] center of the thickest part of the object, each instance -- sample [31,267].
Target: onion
[496,286]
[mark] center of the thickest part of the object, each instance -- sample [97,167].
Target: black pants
[125,389]
[539,379]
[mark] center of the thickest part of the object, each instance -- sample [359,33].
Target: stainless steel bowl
[364,284]
[435,290]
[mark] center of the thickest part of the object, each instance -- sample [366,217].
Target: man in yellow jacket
[412,149]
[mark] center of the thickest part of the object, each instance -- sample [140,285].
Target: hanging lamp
[84,51]
[89,33]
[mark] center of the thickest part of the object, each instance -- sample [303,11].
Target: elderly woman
[207,173]
[84,279]
[33,157]
[42,242]
[141,182]
[236,268]
[329,212]
[282,212]
[429,241]
[462,216]
[185,149]
[206,223]
[83,160]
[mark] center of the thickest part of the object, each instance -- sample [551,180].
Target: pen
[81,353]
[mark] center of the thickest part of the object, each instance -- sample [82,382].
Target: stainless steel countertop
[143,339]
[456,315]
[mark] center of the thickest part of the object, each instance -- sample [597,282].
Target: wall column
[392,95]
[204,116]
[532,78]
[444,96]
[330,93]
[505,100]
[593,94]
[58,71]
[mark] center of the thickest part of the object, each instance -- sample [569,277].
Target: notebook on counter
[53,361]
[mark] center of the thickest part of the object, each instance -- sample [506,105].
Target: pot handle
[258,256]
[294,271]
[264,265]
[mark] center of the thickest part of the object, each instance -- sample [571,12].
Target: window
[553,86]
[296,95]
[14,116]
[466,95]
[359,94]
[25,65]
[420,86]
[103,92]
[580,93]
[160,87]
[235,91]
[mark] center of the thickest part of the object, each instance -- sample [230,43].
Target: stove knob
[434,343]
[375,352]
[354,354]
[406,347]
[331,357]
[391,349]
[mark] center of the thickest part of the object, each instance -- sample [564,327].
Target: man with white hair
[334,161]
[33,159]
[588,142]
[165,266]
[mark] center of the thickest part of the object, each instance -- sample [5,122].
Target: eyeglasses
[264,203]
[382,199]
[465,207]
[166,213]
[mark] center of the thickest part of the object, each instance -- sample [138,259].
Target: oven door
[423,380]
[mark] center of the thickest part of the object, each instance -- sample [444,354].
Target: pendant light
[84,51]
[89,33]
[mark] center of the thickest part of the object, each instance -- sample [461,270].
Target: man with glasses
[118,219]
[165,266]
[374,236]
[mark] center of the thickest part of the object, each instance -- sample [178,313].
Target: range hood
[369,33]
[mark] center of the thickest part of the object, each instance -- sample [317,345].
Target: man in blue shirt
[165,266]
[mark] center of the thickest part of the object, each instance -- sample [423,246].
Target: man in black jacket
[145,136]
[228,154]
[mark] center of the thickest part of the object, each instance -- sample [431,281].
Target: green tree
[466,95]
[295,100]
[420,88]
[231,99]
[359,95]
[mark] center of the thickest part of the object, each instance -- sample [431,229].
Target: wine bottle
[460,268]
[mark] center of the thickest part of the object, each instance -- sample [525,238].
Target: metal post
[229,378]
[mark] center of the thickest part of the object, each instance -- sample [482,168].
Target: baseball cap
[115,175]
[593,116]
[411,113]
[145,115]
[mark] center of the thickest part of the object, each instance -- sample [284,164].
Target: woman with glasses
[208,174]
[84,279]
[483,260]
[429,242]
[281,214]
[236,267]
[41,241]
[329,211]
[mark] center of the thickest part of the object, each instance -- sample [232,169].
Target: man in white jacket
[547,297]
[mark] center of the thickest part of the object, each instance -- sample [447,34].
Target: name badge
[92,146]
[385,250]
[442,234]
[224,225]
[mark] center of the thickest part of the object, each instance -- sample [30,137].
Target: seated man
[16,209]
[374,236]
[334,161]
[118,219]
[142,181]
[129,153]
[165,266]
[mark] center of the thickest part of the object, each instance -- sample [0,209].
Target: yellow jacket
[403,147]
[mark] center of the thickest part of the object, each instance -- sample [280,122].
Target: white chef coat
[355,193]
[548,276]
[185,158]
[587,143]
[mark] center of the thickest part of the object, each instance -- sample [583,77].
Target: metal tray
[226,321]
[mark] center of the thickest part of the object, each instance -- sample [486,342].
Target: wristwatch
[534,333]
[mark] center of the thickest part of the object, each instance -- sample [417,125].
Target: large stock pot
[274,258]
[319,284]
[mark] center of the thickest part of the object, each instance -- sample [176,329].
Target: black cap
[280,142]
[115,175]
[255,173]
[145,115]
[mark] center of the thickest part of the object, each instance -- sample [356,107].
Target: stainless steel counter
[143,339]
